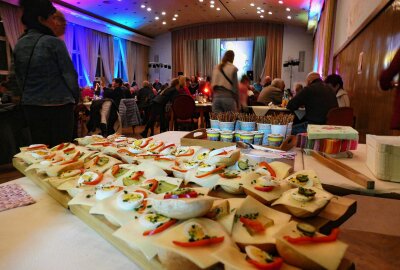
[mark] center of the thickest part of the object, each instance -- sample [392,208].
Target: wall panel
[378,42]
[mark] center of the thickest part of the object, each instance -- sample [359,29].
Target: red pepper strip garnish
[162,228]
[316,239]
[211,172]
[222,153]
[95,181]
[115,169]
[136,175]
[254,225]
[125,151]
[102,143]
[50,156]
[165,147]
[95,160]
[275,265]
[144,203]
[41,146]
[200,243]
[145,143]
[178,169]
[157,146]
[153,183]
[163,158]
[189,153]
[69,150]
[268,167]
[61,146]
[190,194]
[149,155]
[72,160]
[264,189]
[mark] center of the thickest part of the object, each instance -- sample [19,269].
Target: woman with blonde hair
[225,85]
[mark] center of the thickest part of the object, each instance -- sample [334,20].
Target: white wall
[296,39]
[162,48]
[350,14]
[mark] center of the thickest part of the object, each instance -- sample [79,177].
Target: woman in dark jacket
[45,74]
[158,108]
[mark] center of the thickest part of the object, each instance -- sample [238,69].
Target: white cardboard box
[383,157]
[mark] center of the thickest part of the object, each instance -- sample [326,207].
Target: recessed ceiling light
[176,15]
[262,11]
[252,4]
[157,18]
[174,19]
[201,1]
[164,22]
[218,9]
[269,12]
[258,12]
[211,6]
[280,2]
[289,17]
[258,8]
[212,2]
[287,9]
[261,16]
[149,9]
[163,13]
[143,6]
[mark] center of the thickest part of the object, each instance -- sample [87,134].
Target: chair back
[183,107]
[343,116]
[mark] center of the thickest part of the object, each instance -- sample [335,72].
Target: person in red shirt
[386,82]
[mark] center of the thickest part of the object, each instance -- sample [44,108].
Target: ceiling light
[211,6]
[269,12]
[174,19]
[280,2]
[176,15]
[157,18]
[201,1]
[142,6]
[163,13]
[289,17]
[287,9]
[252,4]
[258,12]
[149,9]
[262,11]
[164,22]
[218,9]
[261,16]
[212,2]
[258,8]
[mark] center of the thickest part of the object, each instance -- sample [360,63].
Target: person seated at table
[257,85]
[317,98]
[87,93]
[183,88]
[144,98]
[157,85]
[158,108]
[267,81]
[272,93]
[193,85]
[297,88]
[336,82]
[116,92]
[225,85]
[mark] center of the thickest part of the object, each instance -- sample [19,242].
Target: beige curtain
[13,26]
[323,39]
[142,53]
[94,41]
[190,56]
[107,55]
[131,61]
[272,31]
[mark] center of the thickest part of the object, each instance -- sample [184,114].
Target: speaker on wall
[302,57]
[249,74]
[180,73]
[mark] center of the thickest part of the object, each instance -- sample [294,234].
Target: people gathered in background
[272,93]
[257,85]
[336,82]
[183,86]
[193,85]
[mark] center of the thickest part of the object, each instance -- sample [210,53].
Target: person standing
[225,85]
[45,74]
[157,85]
[317,98]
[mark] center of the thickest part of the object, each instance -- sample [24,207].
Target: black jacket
[166,96]
[318,99]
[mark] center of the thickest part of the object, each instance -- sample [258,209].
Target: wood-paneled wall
[378,42]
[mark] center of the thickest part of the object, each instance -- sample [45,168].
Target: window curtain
[142,69]
[13,26]
[123,51]
[94,43]
[323,40]
[190,55]
[273,33]
[131,61]
[258,57]
[82,41]
[117,56]
[69,37]
[107,55]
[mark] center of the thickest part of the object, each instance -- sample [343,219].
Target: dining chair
[183,108]
[342,116]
